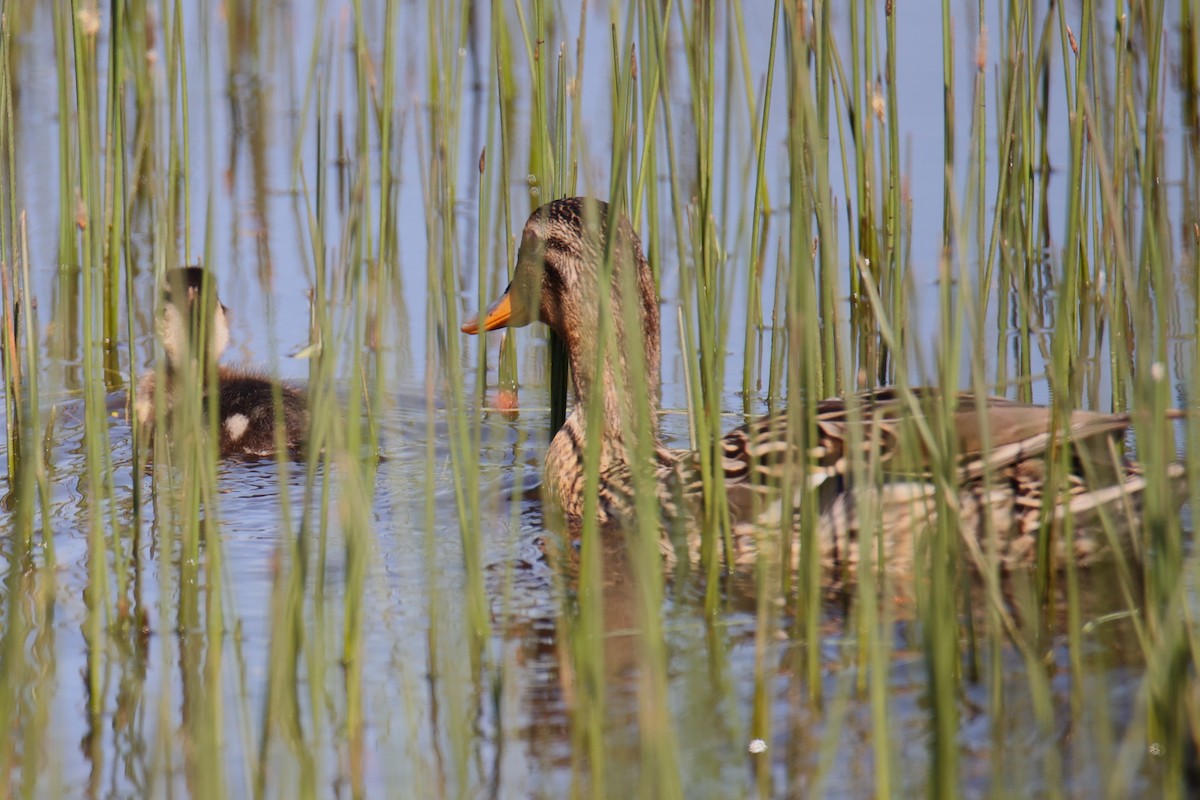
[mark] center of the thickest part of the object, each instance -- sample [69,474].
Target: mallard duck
[998,478]
[194,321]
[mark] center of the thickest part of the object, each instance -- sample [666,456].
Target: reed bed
[391,625]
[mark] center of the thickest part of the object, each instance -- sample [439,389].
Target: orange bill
[497,316]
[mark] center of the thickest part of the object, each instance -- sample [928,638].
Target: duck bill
[496,317]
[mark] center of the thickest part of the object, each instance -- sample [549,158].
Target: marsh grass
[760,155]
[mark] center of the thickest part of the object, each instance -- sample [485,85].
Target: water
[416,641]
[420,691]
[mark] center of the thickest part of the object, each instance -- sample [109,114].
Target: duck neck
[623,398]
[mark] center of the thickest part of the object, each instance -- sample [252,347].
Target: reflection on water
[520,708]
[162,704]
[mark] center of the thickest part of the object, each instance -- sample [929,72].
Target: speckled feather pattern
[1000,445]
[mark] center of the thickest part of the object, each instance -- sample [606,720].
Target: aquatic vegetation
[831,199]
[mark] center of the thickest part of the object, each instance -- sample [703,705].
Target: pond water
[435,724]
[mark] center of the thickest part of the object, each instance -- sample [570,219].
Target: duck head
[559,280]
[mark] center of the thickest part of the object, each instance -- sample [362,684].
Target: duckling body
[195,331]
[1000,446]
[246,405]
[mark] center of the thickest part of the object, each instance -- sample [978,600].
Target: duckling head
[193,320]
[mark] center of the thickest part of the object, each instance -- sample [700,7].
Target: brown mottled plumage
[554,282]
[245,401]
[998,479]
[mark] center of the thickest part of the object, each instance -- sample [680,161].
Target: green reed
[583,626]
[1059,270]
[447,31]
[658,742]
[760,210]
[447,74]
[90,218]
[705,285]
[28,590]
[11,242]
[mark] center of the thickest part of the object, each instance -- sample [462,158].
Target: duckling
[998,478]
[194,321]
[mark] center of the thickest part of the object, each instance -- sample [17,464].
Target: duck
[999,477]
[193,320]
